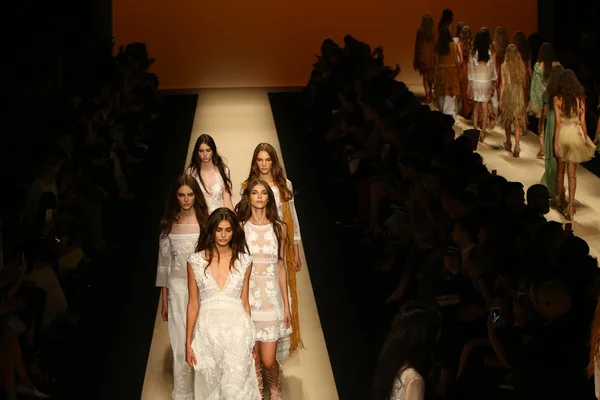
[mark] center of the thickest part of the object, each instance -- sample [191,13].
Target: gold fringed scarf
[295,340]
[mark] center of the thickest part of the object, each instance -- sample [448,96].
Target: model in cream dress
[180,227]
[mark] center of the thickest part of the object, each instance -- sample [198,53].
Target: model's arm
[297,237]
[226,194]
[493,70]
[283,272]
[192,315]
[582,117]
[597,131]
[163,271]
[502,87]
[246,290]
[557,121]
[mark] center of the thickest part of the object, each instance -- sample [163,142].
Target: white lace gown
[408,385]
[224,336]
[214,195]
[174,250]
[266,300]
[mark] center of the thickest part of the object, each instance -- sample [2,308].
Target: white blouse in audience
[408,385]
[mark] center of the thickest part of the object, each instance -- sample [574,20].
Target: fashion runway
[239,119]
[528,169]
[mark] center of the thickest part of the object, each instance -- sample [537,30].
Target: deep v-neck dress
[223,336]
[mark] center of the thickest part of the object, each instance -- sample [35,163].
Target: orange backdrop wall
[250,43]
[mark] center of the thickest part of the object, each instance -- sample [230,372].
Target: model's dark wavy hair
[548,57]
[244,210]
[426,30]
[442,47]
[446,19]
[409,344]
[481,46]
[207,240]
[554,81]
[572,93]
[459,28]
[276,170]
[172,207]
[216,159]
[501,42]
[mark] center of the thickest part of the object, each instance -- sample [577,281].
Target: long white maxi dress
[174,251]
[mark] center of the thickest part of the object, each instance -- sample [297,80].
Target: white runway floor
[239,119]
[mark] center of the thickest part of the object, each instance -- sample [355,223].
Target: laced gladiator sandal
[274,384]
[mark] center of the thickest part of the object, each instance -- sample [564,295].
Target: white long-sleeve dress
[214,195]
[174,251]
[224,335]
[408,385]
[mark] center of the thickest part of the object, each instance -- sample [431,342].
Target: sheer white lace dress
[480,75]
[214,195]
[224,336]
[174,250]
[265,295]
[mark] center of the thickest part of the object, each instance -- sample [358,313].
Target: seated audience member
[82,124]
[438,226]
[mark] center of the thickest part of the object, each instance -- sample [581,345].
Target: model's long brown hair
[501,42]
[459,28]
[513,65]
[172,207]
[466,39]
[572,94]
[276,171]
[595,342]
[216,159]
[207,240]
[446,19]
[426,30]
[554,81]
[547,56]
[444,43]
[244,210]
[520,40]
